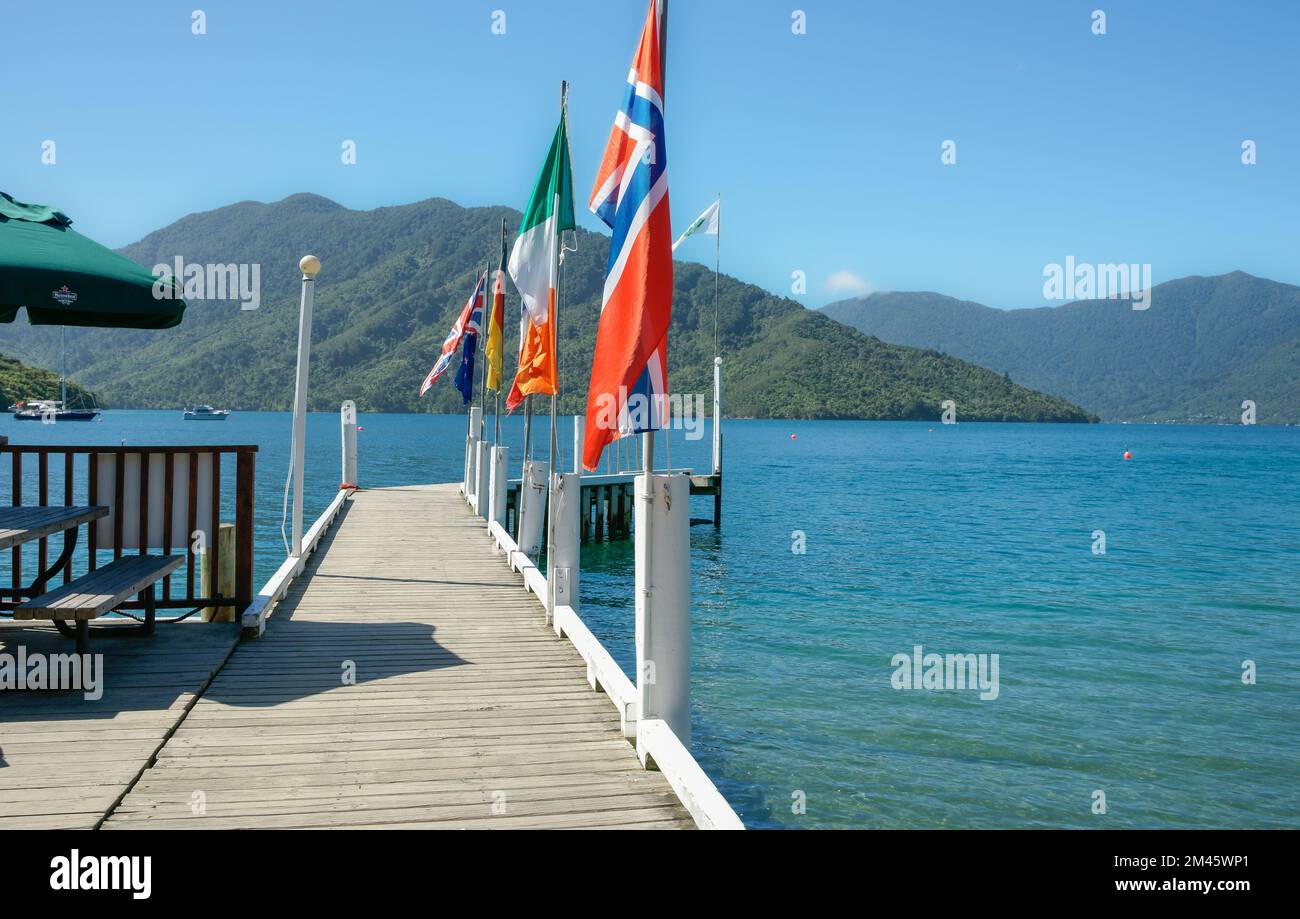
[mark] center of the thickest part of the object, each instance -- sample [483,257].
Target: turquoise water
[1118,673]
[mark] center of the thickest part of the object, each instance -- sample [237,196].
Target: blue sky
[1124,147]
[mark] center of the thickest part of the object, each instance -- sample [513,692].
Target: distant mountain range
[20,383]
[392,281]
[1204,345]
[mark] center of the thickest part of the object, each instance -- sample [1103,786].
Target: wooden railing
[158,497]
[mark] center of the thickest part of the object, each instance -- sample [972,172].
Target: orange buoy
[1127,455]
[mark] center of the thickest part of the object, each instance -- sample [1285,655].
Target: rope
[284,516]
[168,621]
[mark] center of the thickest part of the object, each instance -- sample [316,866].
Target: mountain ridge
[1204,346]
[394,277]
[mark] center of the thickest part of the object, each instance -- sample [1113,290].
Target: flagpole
[528,429]
[524,477]
[648,438]
[480,346]
[555,358]
[496,407]
[717,269]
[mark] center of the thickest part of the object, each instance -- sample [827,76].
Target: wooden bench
[102,590]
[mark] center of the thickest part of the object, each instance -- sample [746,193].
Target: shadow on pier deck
[66,760]
[406,680]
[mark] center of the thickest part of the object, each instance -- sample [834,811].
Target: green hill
[1202,347]
[20,383]
[393,279]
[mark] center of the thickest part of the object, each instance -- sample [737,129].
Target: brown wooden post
[119,487]
[43,493]
[144,502]
[17,564]
[217,574]
[67,502]
[244,529]
[169,482]
[92,489]
[191,521]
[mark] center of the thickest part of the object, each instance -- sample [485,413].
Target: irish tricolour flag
[534,267]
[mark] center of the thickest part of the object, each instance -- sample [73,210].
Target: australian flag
[465,372]
[466,328]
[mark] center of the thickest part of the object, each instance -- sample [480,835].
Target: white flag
[706,223]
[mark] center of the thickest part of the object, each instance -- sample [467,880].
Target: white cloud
[846,282]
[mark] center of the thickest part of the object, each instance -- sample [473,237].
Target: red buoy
[794,436]
[1127,455]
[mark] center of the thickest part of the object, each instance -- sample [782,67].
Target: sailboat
[51,410]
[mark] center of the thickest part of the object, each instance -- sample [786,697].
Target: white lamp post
[310,266]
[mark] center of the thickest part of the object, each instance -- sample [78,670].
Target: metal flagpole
[496,409]
[524,477]
[528,428]
[648,438]
[481,348]
[717,268]
[555,358]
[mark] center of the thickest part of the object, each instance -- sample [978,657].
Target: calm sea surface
[1118,673]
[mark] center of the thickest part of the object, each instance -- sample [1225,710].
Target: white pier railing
[255,616]
[655,710]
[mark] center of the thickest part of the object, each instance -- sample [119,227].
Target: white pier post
[471,453]
[717,415]
[663,603]
[482,461]
[348,423]
[563,564]
[577,446]
[310,267]
[498,487]
[532,507]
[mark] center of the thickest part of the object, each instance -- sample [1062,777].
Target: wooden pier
[405,680]
[607,504]
[65,760]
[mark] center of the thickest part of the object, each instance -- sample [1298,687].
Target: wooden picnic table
[20,525]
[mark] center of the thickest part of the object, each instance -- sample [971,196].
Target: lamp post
[310,266]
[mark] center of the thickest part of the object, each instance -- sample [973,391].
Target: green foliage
[393,280]
[1202,347]
[20,383]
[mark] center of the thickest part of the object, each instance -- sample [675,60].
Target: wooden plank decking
[466,711]
[64,759]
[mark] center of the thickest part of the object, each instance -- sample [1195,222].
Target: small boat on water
[53,410]
[207,413]
[50,411]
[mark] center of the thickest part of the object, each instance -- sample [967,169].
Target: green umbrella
[63,278]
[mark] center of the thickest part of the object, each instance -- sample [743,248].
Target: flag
[467,323]
[534,269]
[629,372]
[496,325]
[706,223]
[464,378]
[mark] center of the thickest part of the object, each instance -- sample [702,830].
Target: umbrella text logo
[64,296]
